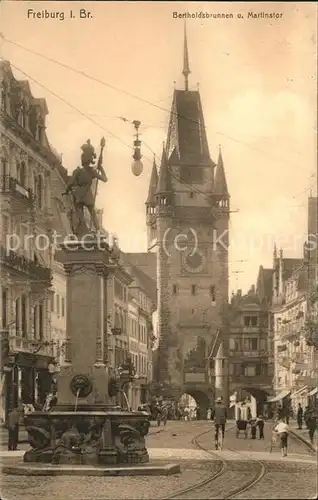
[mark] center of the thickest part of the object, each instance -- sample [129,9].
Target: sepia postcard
[158,250]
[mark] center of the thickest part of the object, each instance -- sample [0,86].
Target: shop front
[26,380]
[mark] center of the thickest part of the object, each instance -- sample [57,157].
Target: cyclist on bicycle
[219,415]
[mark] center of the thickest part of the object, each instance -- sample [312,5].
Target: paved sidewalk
[303,435]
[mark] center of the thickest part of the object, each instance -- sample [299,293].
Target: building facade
[250,359]
[188,206]
[142,303]
[295,359]
[26,252]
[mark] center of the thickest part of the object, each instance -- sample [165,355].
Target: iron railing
[10,185]
[11,259]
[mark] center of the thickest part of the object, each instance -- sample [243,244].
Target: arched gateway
[202,400]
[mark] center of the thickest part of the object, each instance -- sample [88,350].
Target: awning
[313,392]
[279,397]
[299,392]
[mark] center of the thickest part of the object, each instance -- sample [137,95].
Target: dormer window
[24,114]
[21,111]
[39,127]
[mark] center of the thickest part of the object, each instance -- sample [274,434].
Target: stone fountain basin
[101,430]
[57,422]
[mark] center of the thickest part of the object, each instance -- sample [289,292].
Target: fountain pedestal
[83,428]
[87,268]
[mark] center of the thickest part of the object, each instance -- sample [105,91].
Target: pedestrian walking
[253,425]
[198,413]
[306,416]
[282,430]
[164,417]
[219,415]
[300,413]
[280,412]
[260,424]
[186,413]
[13,427]
[312,426]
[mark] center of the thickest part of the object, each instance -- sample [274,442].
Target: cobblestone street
[292,477]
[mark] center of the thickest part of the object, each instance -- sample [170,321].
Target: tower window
[174,289]
[193,289]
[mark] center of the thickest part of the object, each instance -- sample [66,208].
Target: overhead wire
[65,101]
[89,117]
[141,99]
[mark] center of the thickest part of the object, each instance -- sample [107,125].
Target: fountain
[84,433]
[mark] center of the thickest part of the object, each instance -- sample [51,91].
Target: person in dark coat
[260,424]
[13,427]
[300,414]
[312,426]
[306,415]
[253,424]
[280,413]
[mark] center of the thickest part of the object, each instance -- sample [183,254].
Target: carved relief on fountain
[82,438]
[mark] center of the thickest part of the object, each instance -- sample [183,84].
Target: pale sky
[257,79]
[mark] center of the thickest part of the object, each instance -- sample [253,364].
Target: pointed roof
[151,199]
[220,184]
[187,133]
[164,181]
[186,67]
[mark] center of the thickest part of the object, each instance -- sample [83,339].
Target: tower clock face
[194,263]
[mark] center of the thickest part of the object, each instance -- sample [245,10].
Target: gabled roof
[141,280]
[187,129]
[146,261]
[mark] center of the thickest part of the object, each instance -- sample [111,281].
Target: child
[282,430]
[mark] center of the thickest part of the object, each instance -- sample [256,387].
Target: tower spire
[186,68]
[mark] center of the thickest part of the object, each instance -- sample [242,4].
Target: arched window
[4,172]
[22,174]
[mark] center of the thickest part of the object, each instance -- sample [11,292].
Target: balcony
[259,381]
[10,186]
[20,264]
[248,354]
[289,332]
[299,357]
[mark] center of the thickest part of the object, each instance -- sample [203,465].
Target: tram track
[220,483]
[230,477]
